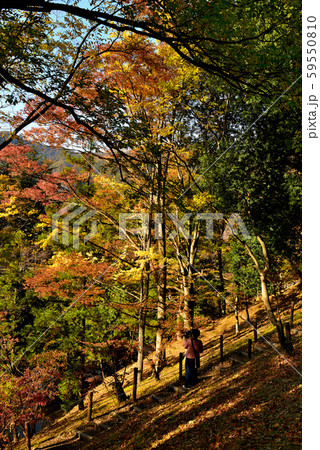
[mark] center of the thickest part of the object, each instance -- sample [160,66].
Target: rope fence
[216,355]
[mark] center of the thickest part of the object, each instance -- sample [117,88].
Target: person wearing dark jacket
[193,347]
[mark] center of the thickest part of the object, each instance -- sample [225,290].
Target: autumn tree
[70,286]
[259,177]
[24,398]
[132,93]
[26,185]
[218,37]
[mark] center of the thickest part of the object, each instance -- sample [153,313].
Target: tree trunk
[289,346]
[188,305]
[224,307]
[187,271]
[142,323]
[291,314]
[236,313]
[142,318]
[144,294]
[271,316]
[104,378]
[118,388]
[192,251]
[247,311]
[219,307]
[82,368]
[220,269]
[161,310]
[162,274]
[264,288]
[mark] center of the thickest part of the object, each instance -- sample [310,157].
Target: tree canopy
[179,190]
[244,43]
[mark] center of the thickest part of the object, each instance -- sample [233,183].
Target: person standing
[193,347]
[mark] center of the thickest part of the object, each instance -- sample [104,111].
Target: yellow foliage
[200,200]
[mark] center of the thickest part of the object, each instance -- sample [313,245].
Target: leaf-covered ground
[255,406]
[249,406]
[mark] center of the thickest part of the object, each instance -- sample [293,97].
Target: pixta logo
[71,227]
[234,225]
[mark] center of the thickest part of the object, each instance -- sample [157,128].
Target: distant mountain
[57,156]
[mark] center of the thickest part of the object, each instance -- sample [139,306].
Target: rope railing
[214,353]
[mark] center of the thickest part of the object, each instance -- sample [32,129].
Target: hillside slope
[238,404]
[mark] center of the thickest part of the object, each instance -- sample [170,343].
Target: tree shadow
[255,404]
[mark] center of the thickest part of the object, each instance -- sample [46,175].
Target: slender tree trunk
[291,314]
[144,290]
[236,313]
[82,368]
[271,316]
[264,288]
[221,282]
[192,250]
[161,314]
[142,317]
[15,434]
[104,378]
[219,307]
[142,324]
[220,269]
[118,386]
[247,310]
[187,271]
[162,274]
[188,305]
[224,307]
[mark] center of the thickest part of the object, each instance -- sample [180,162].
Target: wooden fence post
[90,396]
[255,332]
[135,382]
[180,366]
[249,348]
[27,434]
[221,348]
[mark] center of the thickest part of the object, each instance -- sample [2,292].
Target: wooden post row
[90,396]
[135,382]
